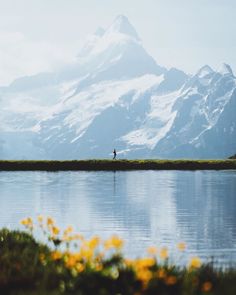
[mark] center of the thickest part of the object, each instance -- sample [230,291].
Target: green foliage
[19,251]
[29,267]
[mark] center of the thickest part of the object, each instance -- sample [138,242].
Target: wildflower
[161,273]
[85,253]
[88,255]
[40,219]
[144,275]
[113,242]
[143,263]
[171,280]
[206,287]
[68,230]
[99,257]
[70,261]
[28,223]
[68,237]
[23,222]
[164,253]
[56,255]
[50,221]
[195,262]
[152,250]
[98,267]
[79,267]
[55,230]
[181,246]
[94,242]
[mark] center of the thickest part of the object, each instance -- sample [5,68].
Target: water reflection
[144,207]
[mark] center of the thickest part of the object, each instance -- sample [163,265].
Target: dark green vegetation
[111,165]
[233,157]
[29,267]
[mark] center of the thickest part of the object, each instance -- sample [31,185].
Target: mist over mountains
[117,96]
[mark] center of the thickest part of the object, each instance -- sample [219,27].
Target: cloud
[20,56]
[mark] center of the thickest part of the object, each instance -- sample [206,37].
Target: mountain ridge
[116,95]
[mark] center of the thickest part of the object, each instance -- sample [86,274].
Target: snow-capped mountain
[204,126]
[116,96]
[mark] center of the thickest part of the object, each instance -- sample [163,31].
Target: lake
[145,208]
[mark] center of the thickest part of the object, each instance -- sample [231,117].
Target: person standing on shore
[114,153]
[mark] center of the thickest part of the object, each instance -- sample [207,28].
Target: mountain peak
[225,69]
[122,25]
[204,71]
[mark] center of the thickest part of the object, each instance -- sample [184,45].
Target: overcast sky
[40,35]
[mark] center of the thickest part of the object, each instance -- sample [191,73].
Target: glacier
[115,95]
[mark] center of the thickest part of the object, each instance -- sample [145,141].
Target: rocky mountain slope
[116,95]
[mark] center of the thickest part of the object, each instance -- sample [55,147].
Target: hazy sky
[39,35]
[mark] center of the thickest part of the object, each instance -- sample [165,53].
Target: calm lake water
[144,207]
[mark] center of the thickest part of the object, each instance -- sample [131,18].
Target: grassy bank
[98,267]
[111,165]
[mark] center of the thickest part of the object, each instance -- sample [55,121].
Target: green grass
[112,165]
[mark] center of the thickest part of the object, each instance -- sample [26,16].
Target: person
[114,153]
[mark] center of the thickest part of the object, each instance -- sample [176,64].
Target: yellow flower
[68,230]
[195,262]
[23,222]
[50,221]
[79,267]
[164,253]
[70,238]
[94,242]
[181,246]
[152,250]
[171,280]
[55,230]
[56,255]
[86,253]
[206,287]
[27,222]
[142,263]
[161,273]
[40,218]
[114,242]
[71,261]
[98,266]
[142,268]
[99,257]
[144,275]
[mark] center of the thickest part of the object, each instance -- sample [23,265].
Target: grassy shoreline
[113,165]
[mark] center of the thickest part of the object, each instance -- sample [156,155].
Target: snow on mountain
[225,69]
[116,96]
[204,71]
[114,53]
[122,25]
[200,111]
